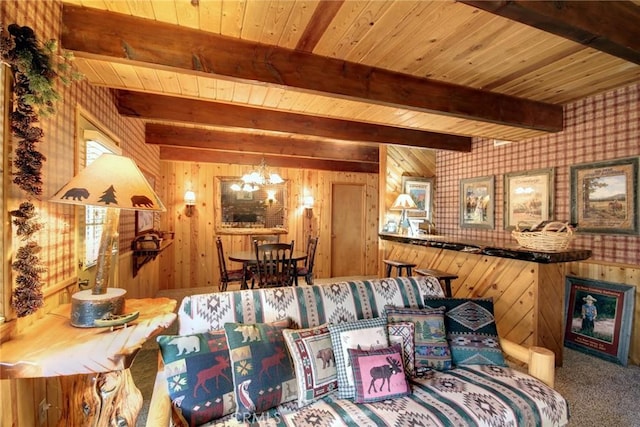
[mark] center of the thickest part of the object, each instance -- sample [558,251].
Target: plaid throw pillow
[402,333]
[366,334]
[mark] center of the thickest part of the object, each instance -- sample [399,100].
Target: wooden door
[347,230]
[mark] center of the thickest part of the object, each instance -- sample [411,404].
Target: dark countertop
[482,248]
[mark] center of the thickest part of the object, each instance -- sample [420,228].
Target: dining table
[248,257]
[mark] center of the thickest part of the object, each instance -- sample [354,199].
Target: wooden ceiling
[320,84]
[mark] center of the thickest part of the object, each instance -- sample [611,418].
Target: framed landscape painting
[421,191]
[598,318]
[528,197]
[604,196]
[477,202]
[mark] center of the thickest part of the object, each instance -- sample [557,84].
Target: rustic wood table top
[52,347]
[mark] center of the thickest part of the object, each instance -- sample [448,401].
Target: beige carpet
[600,393]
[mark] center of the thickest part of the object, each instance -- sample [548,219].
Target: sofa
[518,393]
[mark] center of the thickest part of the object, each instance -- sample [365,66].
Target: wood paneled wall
[20,398]
[195,262]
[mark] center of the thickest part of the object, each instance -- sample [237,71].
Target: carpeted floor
[600,393]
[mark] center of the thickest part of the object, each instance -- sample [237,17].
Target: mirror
[264,208]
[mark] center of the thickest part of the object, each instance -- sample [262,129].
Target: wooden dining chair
[227,276]
[263,239]
[306,271]
[274,264]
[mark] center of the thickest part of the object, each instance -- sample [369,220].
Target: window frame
[5,239]
[90,129]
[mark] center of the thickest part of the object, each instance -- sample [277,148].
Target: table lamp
[116,183]
[402,203]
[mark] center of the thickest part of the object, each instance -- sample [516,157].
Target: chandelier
[253,180]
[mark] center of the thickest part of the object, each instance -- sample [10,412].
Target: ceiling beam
[160,107]
[216,139]
[92,33]
[182,154]
[609,26]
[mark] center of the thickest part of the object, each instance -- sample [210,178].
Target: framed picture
[421,191]
[145,220]
[528,197]
[604,196]
[598,318]
[477,202]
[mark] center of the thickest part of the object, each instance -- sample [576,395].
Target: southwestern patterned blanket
[475,395]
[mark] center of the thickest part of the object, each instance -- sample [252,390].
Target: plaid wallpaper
[599,128]
[58,145]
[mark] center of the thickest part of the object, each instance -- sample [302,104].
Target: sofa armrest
[540,361]
[159,414]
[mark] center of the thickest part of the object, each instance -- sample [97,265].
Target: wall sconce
[189,202]
[308,206]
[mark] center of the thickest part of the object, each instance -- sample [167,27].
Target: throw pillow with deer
[378,374]
[263,373]
[198,372]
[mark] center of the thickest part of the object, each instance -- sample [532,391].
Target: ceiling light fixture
[253,180]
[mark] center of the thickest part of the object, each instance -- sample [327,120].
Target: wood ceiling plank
[117,6]
[210,16]
[378,42]
[165,11]
[274,97]
[258,95]
[275,21]
[188,85]
[158,107]
[195,51]
[206,87]
[86,68]
[323,14]
[242,93]
[610,26]
[216,156]
[170,83]
[187,13]
[127,74]
[150,79]
[233,12]
[254,20]
[141,8]
[224,140]
[301,15]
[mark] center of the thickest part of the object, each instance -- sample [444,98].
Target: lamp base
[87,307]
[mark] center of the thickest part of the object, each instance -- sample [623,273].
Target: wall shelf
[146,249]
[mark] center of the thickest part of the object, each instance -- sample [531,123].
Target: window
[92,145]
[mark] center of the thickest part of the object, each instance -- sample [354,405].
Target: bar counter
[527,286]
[482,248]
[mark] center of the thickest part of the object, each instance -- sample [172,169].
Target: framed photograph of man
[598,318]
[604,196]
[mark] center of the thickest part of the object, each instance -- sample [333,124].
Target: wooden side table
[93,363]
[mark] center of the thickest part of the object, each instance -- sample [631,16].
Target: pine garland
[34,68]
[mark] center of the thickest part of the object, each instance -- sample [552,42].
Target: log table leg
[100,400]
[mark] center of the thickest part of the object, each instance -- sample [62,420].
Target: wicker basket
[555,236]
